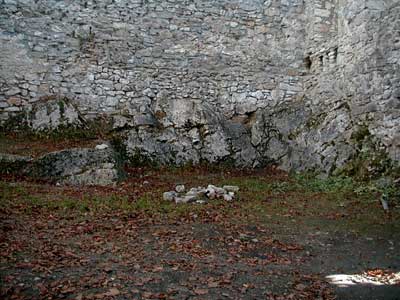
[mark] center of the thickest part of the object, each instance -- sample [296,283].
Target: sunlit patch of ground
[372,277]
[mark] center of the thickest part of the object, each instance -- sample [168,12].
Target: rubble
[201,195]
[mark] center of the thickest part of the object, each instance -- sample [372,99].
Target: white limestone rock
[79,166]
[52,114]
[180,188]
[101,147]
[231,188]
[227,197]
[186,199]
[170,196]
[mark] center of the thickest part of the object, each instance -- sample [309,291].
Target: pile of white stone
[201,194]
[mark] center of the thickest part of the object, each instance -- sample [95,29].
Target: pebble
[180,188]
[219,191]
[199,192]
[169,196]
[185,199]
[101,147]
[210,193]
[228,197]
[231,188]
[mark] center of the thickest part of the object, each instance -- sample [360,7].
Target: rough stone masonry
[305,84]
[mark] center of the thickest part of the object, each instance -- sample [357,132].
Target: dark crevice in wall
[308,62]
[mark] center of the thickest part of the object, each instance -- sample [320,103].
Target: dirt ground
[284,237]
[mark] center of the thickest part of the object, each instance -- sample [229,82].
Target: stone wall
[348,119]
[352,90]
[247,81]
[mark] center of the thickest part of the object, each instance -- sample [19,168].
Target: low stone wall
[78,166]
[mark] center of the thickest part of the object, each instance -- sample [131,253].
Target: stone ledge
[78,166]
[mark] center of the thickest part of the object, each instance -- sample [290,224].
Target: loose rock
[200,195]
[186,199]
[180,188]
[199,192]
[228,197]
[169,196]
[13,164]
[218,191]
[101,147]
[79,166]
[231,188]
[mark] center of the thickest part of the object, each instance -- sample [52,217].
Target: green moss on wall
[371,159]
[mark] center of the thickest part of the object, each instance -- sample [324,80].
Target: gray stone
[101,147]
[201,201]
[3,104]
[12,92]
[52,114]
[103,176]
[231,188]
[180,188]
[169,196]
[198,192]
[12,109]
[186,199]
[14,164]
[217,190]
[228,197]
[80,166]
[211,193]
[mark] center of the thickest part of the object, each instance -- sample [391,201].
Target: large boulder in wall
[53,114]
[79,166]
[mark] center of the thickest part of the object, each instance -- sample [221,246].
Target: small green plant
[138,158]
[281,187]
[384,187]
[370,160]
[313,183]
[61,105]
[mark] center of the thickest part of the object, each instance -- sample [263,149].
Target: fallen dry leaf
[201,291]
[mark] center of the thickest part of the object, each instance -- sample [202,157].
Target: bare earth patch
[284,238]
